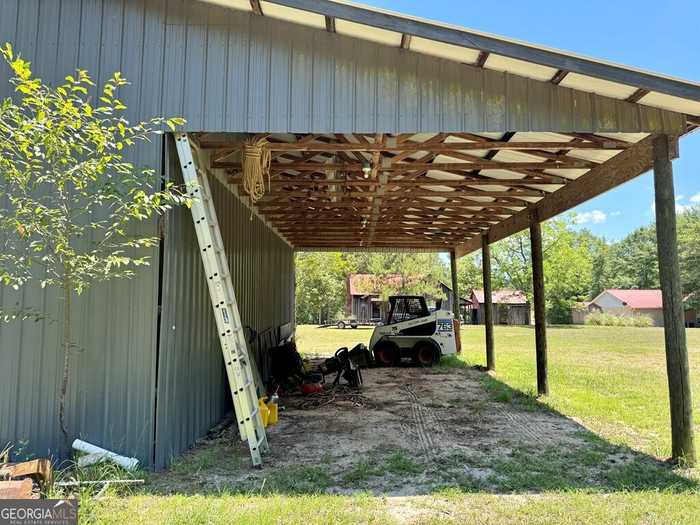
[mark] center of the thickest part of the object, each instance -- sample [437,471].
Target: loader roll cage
[406,307]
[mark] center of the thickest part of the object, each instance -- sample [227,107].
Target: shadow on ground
[420,432]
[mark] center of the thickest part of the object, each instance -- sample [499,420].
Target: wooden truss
[426,191]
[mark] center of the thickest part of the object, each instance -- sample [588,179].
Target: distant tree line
[577,266]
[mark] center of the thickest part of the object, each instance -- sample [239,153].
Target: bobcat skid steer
[412,331]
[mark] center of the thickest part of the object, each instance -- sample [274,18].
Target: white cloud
[594,216]
[680,207]
[616,214]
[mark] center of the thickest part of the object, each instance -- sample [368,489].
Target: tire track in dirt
[522,425]
[424,424]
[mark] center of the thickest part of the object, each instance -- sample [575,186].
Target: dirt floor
[412,432]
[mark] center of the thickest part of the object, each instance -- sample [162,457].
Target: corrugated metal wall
[258,74]
[192,388]
[227,70]
[112,395]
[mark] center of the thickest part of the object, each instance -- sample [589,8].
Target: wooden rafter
[559,76]
[318,196]
[255,6]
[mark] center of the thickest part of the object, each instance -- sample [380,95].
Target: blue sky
[652,35]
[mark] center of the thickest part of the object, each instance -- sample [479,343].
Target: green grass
[312,340]
[239,510]
[612,380]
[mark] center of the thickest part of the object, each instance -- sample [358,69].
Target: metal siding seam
[173,68]
[195,61]
[495,101]
[408,92]
[365,89]
[387,93]
[280,83]
[8,32]
[450,107]
[48,29]
[322,90]
[238,80]
[301,82]
[215,78]
[259,71]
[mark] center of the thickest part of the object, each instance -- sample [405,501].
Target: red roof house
[630,302]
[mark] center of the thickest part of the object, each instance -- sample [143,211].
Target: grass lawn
[610,380]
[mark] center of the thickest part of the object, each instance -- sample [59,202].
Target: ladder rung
[214,259]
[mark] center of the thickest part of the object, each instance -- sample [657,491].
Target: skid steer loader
[412,331]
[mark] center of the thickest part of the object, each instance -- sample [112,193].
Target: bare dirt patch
[423,430]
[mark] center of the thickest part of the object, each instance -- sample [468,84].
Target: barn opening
[385,133]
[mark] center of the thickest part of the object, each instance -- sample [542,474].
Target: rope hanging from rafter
[256,164]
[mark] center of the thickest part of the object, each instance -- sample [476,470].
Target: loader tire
[425,354]
[387,354]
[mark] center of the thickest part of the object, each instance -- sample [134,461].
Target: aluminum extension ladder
[239,365]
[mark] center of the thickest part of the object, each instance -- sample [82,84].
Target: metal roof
[484,50]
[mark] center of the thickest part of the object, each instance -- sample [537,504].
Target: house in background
[465,305]
[364,301]
[629,303]
[510,307]
[617,301]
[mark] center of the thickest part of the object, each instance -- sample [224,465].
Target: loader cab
[405,308]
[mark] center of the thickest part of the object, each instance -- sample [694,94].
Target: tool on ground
[346,364]
[240,367]
[412,331]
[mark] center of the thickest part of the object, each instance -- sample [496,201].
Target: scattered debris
[339,395]
[18,489]
[104,482]
[96,454]
[39,470]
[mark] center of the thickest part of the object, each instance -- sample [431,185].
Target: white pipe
[97,454]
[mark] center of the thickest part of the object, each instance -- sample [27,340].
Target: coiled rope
[256,164]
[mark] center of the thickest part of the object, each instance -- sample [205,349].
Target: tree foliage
[577,266]
[68,195]
[320,286]
[402,273]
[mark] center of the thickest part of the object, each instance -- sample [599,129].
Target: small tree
[68,197]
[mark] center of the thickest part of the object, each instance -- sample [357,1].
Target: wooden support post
[488,302]
[677,369]
[455,287]
[538,292]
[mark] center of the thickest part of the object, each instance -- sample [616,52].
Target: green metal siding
[192,388]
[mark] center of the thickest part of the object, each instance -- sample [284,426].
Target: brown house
[364,302]
[510,307]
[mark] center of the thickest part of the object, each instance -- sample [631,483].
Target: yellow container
[273,409]
[264,411]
